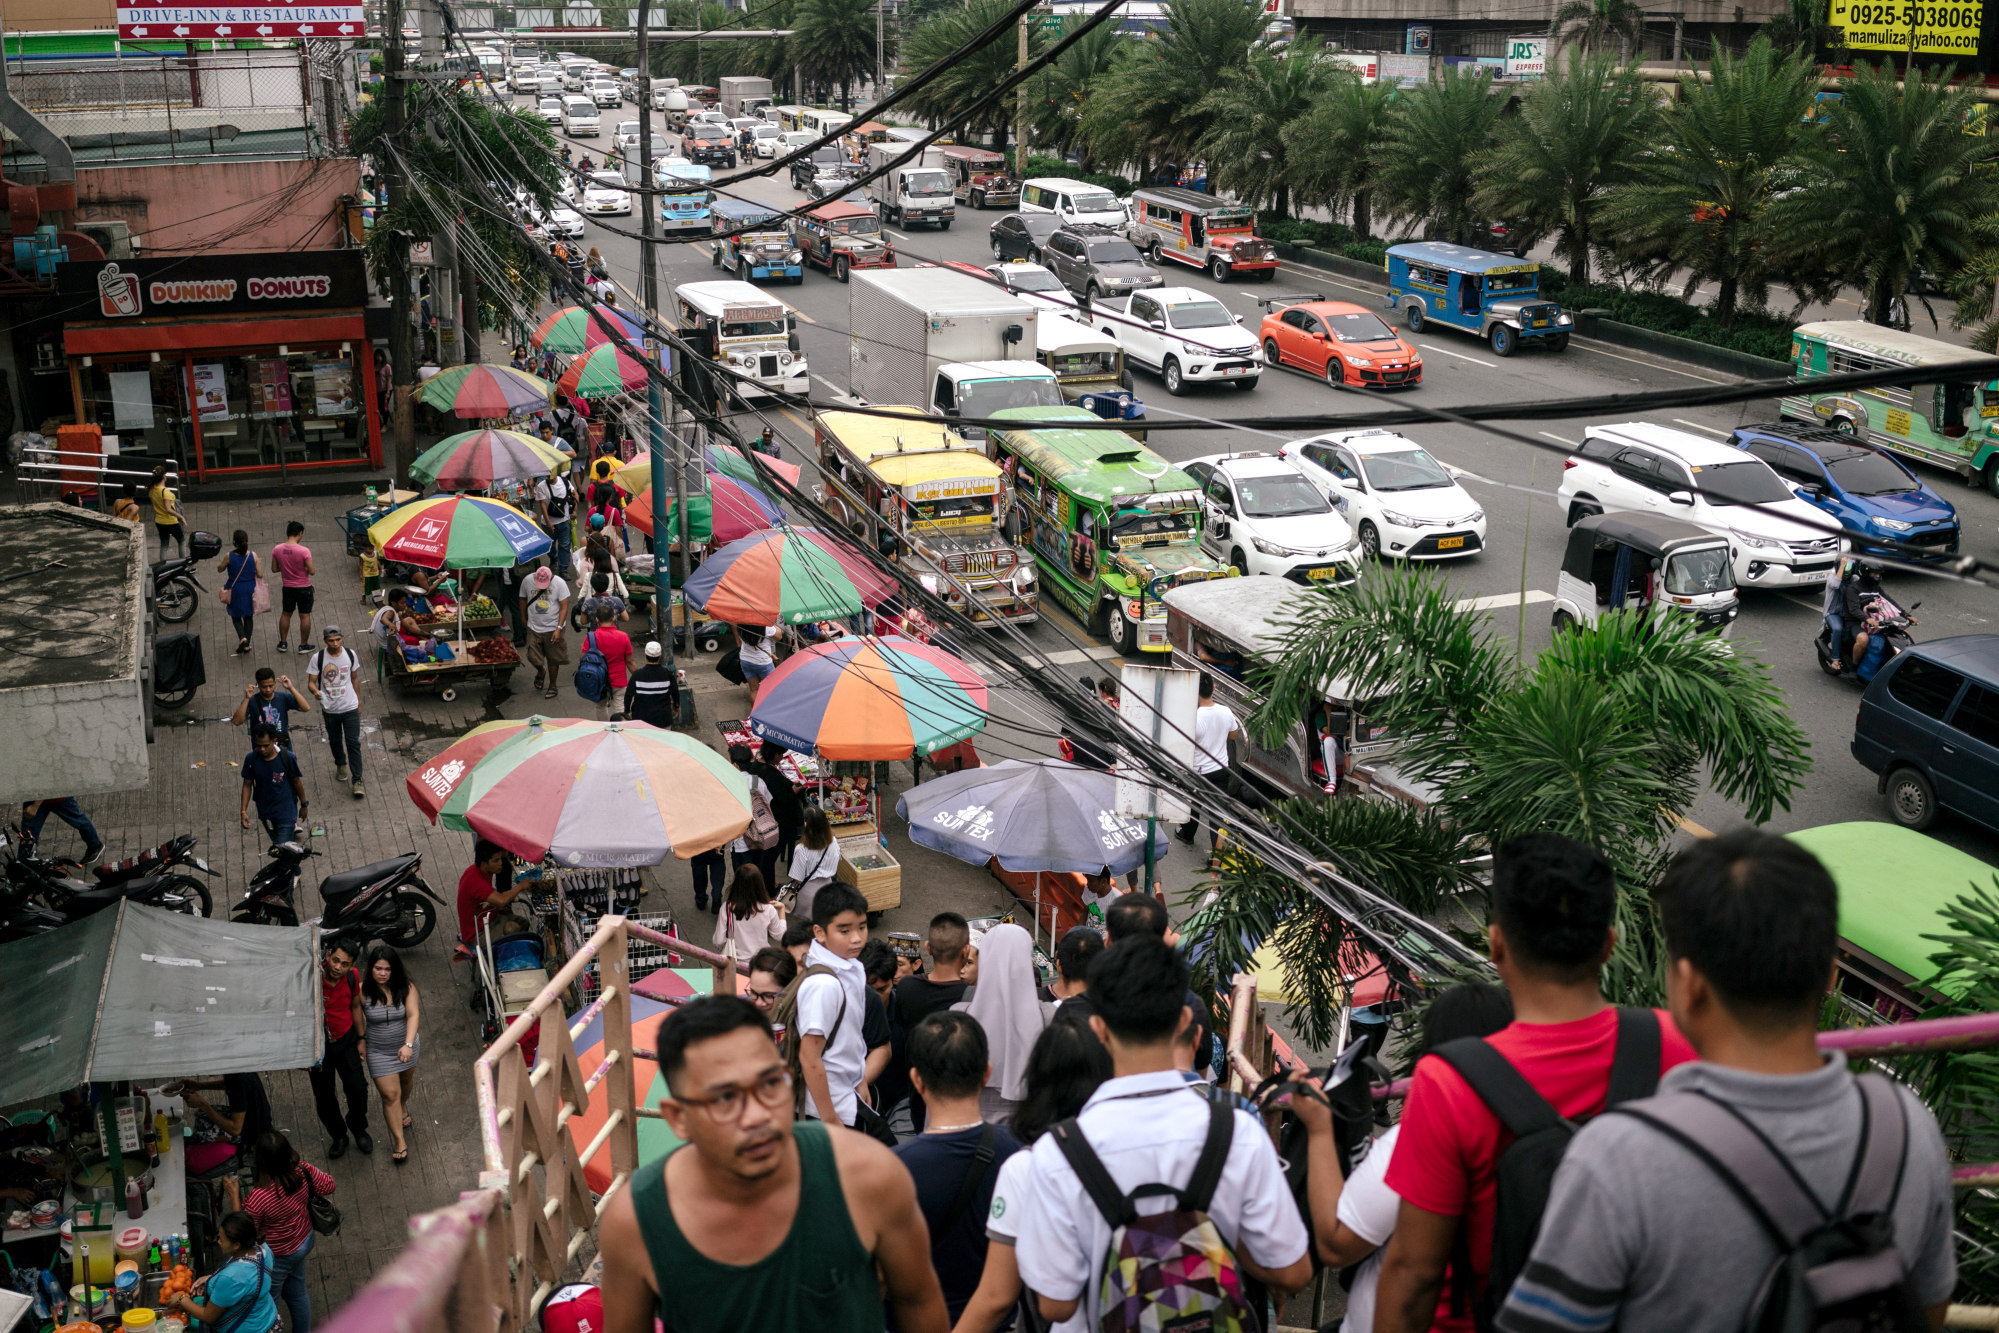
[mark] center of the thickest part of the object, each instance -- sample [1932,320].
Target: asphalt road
[1514,482]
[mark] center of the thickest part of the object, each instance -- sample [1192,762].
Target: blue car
[1865,489]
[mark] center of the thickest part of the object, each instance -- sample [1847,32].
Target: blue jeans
[288,1285]
[279,830]
[70,813]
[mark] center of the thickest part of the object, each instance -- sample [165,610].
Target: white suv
[1263,515]
[1401,502]
[1637,467]
[1184,334]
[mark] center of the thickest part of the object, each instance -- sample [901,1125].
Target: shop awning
[195,335]
[142,993]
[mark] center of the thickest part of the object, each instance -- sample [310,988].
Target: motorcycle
[72,899]
[23,918]
[387,900]
[176,590]
[167,857]
[1888,639]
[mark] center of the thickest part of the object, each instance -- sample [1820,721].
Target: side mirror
[791,340]
[1682,498]
[1320,335]
[1157,325]
[1350,483]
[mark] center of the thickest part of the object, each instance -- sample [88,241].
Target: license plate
[1450,543]
[1235,370]
[1540,323]
[1329,572]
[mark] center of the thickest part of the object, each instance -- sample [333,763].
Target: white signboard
[1158,703]
[1405,71]
[1360,62]
[1526,57]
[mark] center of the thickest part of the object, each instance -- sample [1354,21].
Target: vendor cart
[446,677]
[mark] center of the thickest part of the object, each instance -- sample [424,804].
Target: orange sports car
[1346,343]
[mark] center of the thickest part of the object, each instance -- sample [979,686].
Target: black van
[1929,725]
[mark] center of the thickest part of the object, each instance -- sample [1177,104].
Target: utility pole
[1020,102]
[662,628]
[402,360]
[881,72]
[444,272]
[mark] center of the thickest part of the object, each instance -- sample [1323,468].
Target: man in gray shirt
[1642,1235]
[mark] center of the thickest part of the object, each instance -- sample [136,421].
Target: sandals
[548,694]
[400,1156]
[407,1122]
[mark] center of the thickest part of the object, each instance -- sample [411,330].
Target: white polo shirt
[1149,1128]
[819,1009]
[1213,725]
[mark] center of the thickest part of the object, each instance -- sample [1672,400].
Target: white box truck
[946,341]
[915,193]
[743,95]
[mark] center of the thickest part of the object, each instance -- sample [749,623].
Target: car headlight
[1269,548]
[1477,516]
[1132,610]
[1023,579]
[1758,543]
[1893,524]
[1401,520]
[1354,360]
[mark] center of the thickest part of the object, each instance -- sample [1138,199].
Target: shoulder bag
[325,1215]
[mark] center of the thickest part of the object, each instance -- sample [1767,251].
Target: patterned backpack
[1170,1270]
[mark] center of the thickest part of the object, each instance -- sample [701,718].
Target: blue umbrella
[1043,816]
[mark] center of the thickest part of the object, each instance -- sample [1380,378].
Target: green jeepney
[1114,525]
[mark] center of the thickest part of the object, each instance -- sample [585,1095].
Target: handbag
[260,599]
[324,1214]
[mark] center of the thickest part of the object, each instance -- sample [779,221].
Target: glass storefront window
[141,402]
[260,409]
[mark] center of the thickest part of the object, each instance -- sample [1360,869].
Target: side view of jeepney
[1491,296]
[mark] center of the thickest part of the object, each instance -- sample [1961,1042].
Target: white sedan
[558,222]
[1035,285]
[764,140]
[1400,501]
[605,193]
[1264,516]
[550,110]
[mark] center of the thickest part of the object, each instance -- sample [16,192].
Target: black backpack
[1526,1166]
[1836,1269]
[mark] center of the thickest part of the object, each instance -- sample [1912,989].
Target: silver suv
[1095,261]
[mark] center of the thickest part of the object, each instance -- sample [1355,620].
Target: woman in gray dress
[390,1043]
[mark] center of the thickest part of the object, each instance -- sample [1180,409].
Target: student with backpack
[824,1009]
[758,845]
[1767,1171]
[1486,1119]
[605,666]
[1153,1176]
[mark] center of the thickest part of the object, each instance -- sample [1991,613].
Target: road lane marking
[1503,599]
[1573,444]
[802,315]
[893,232]
[1477,361]
[1076,656]
[1709,429]
[1692,827]
[830,386]
[1587,346]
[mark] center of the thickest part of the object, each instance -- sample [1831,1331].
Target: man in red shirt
[340,993]
[480,894]
[1554,908]
[616,645]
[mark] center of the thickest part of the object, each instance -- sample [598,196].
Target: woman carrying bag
[814,862]
[239,589]
[237,1298]
[281,1204]
[749,917]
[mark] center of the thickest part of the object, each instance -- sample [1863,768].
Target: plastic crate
[643,957]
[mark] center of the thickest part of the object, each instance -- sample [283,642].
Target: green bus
[1114,524]
[1935,417]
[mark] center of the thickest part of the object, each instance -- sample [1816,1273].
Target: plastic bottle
[153,1258]
[160,1132]
[135,1200]
[371,495]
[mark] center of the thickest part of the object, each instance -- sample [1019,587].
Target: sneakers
[359,791]
[93,853]
[340,773]
[284,647]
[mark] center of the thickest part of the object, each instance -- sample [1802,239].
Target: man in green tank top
[760,1223]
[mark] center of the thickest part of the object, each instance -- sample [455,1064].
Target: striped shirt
[281,1214]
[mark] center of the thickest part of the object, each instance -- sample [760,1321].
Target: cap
[331,631]
[652,651]
[543,577]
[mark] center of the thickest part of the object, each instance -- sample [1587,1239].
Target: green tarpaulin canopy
[143,993]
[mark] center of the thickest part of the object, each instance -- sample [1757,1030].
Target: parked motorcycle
[387,901]
[170,856]
[51,884]
[21,917]
[1888,639]
[176,590]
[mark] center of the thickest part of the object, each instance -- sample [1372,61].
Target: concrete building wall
[57,15]
[185,207]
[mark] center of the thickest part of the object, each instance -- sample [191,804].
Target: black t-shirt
[916,998]
[245,1093]
[784,804]
[937,1163]
[874,1021]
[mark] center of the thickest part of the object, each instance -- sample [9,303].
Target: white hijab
[1006,1005]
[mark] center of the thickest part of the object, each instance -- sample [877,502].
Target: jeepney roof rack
[1284,299]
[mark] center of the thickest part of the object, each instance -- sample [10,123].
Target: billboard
[180,22]
[1405,71]
[1950,29]
[1527,57]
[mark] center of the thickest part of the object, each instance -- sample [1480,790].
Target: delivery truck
[962,347]
[743,95]
[916,192]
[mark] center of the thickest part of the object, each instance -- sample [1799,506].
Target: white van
[575,72]
[822,123]
[1073,201]
[579,117]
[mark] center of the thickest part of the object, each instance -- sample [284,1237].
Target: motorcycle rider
[1856,597]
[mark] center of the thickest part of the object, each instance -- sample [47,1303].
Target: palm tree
[1893,183]
[1151,107]
[1060,92]
[969,77]
[1245,148]
[1575,139]
[1604,738]
[1704,206]
[1332,151]
[1429,154]
[833,41]
[1802,30]
[1592,24]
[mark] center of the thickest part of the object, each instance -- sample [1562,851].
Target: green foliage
[1367,252]
[968,78]
[1304,231]
[1153,110]
[1594,24]
[1245,147]
[833,41]
[1058,95]
[1427,162]
[1752,332]
[1037,165]
[1333,148]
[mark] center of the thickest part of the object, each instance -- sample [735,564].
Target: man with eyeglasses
[775,1224]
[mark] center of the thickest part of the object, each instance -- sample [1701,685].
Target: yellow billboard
[1949,29]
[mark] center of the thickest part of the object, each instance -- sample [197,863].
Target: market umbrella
[1045,815]
[485,391]
[601,794]
[652,998]
[736,510]
[431,786]
[635,476]
[478,458]
[790,576]
[869,698]
[458,532]
[572,329]
[603,372]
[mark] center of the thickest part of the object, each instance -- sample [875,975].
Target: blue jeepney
[751,242]
[686,196]
[1496,297]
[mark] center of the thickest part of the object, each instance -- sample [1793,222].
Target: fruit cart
[494,660]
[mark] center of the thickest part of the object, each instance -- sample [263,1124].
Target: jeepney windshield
[754,328]
[1232,219]
[1690,573]
[1510,284]
[1136,528]
[1084,363]
[982,398]
[925,184]
[859,225]
[955,509]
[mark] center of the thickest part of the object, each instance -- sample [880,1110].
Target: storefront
[227,364]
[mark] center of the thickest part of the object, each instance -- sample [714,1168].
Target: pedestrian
[797,940]
[280,1201]
[1147,1126]
[832,1006]
[519,360]
[766,443]
[168,521]
[597,558]
[557,502]
[768,973]
[486,886]
[34,814]
[1132,914]
[271,778]
[1007,1004]
[815,861]
[1661,1214]
[554,440]
[784,802]
[750,919]
[560,254]
[1215,725]
[340,999]
[884,1080]
[547,608]
[333,676]
[292,558]
[1074,952]
[753,654]
[1068,1065]
[391,1041]
[956,1160]
[1554,910]
[759,841]
[607,503]
[126,506]
[239,589]
[386,627]
[270,699]
[604,635]
[595,261]
[949,946]
[653,696]
[773,1224]
[1353,1217]
[237,1297]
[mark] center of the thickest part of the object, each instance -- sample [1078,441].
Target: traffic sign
[1051,24]
[181,22]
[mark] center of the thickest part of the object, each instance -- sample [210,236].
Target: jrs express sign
[1943,29]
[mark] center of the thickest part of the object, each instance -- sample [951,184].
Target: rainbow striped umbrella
[458,532]
[870,698]
[574,329]
[788,576]
[431,786]
[478,458]
[737,510]
[602,372]
[477,391]
[636,475]
[601,794]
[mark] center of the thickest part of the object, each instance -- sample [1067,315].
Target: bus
[491,63]
[921,495]
[755,334]
[1935,417]
[1114,525]
[686,200]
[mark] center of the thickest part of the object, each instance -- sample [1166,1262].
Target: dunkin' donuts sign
[132,288]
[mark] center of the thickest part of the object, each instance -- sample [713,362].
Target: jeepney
[1114,525]
[1496,297]
[686,199]
[978,177]
[1935,417]
[751,242]
[755,334]
[926,499]
[1090,368]
[842,236]
[1200,231]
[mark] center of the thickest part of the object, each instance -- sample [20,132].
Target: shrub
[1754,333]
[1333,236]
[1366,252]
[1055,166]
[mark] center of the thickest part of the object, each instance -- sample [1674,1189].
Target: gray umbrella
[1042,816]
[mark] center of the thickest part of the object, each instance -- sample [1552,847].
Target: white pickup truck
[1182,334]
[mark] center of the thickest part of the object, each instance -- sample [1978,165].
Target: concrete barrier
[1593,324]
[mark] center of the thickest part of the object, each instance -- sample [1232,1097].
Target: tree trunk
[1724,301]
[1579,260]
[1363,215]
[1283,205]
